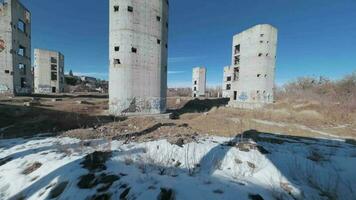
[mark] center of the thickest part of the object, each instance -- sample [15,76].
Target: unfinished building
[15,48]
[199,82]
[49,71]
[227,81]
[138,51]
[253,66]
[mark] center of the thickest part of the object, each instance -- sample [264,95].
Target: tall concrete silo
[253,62]
[138,54]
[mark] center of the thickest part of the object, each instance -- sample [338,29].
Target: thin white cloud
[176,72]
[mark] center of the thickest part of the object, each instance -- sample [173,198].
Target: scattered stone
[177,141]
[178,164]
[5,160]
[124,194]
[87,181]
[95,162]
[286,187]
[251,165]
[237,161]
[31,103]
[32,168]
[105,196]
[218,191]
[255,197]
[56,100]
[58,190]
[166,194]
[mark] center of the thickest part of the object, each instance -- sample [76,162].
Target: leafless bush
[179,92]
[335,99]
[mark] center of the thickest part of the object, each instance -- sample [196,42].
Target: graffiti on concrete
[4,88]
[243,96]
[44,89]
[137,105]
[2,45]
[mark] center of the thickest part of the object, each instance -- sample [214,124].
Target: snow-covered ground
[273,167]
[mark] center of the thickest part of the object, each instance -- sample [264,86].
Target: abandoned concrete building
[199,82]
[15,48]
[227,81]
[138,52]
[253,67]
[49,71]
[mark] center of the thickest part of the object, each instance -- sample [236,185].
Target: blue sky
[316,37]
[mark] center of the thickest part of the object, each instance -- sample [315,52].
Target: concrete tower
[199,82]
[138,51]
[15,48]
[253,62]
[49,71]
[228,75]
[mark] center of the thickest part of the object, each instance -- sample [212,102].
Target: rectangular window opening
[22,69]
[117,61]
[117,48]
[228,78]
[134,50]
[130,8]
[53,76]
[21,51]
[21,26]
[158,18]
[237,49]
[116,8]
[53,60]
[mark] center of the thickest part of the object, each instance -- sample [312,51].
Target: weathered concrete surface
[15,48]
[254,59]
[138,49]
[48,63]
[227,81]
[199,82]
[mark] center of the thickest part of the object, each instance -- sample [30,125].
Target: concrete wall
[47,62]
[199,82]
[14,80]
[138,50]
[254,73]
[227,81]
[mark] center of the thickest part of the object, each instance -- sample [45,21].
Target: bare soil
[85,117]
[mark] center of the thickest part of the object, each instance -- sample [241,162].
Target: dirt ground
[85,116]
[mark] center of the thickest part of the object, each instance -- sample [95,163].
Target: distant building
[15,48]
[228,78]
[199,82]
[253,64]
[49,71]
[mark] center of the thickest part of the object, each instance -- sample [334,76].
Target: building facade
[199,82]
[138,52]
[48,71]
[227,81]
[253,65]
[15,48]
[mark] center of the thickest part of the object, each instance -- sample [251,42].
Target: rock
[255,197]
[56,100]
[58,190]
[105,196]
[124,194]
[166,194]
[95,162]
[32,168]
[87,181]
